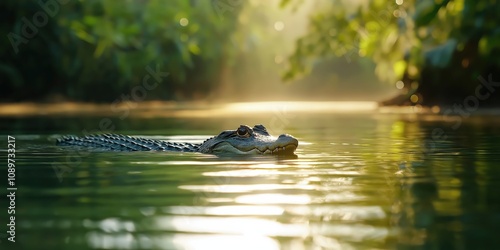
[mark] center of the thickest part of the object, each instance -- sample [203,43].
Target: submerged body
[244,140]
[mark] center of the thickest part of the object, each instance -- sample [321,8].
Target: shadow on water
[360,180]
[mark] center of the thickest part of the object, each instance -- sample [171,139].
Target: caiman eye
[243,131]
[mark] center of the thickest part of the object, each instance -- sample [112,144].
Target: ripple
[266,227]
[246,188]
[273,199]
[225,210]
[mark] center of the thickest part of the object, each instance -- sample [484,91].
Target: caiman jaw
[288,149]
[284,144]
[225,147]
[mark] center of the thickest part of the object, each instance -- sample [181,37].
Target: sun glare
[301,106]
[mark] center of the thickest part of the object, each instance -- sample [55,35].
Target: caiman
[244,140]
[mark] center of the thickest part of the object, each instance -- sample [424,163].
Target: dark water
[362,180]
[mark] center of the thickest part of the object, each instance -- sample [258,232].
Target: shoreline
[205,109]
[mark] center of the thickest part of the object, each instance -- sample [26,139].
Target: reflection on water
[361,180]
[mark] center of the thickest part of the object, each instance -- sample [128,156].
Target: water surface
[361,180]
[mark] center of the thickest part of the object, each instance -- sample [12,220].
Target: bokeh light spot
[414,98]
[400,84]
[279,26]
[184,21]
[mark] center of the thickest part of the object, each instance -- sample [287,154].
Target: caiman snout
[286,144]
[288,138]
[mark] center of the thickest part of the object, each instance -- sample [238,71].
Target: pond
[362,179]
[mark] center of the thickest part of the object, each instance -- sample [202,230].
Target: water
[361,180]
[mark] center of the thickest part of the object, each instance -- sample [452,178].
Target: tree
[440,51]
[98,50]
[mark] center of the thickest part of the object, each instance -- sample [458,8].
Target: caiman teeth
[276,150]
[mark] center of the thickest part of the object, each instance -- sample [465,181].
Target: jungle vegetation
[434,52]
[440,52]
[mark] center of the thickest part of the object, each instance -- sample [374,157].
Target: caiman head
[247,140]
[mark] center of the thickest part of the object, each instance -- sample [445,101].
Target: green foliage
[346,29]
[401,37]
[97,50]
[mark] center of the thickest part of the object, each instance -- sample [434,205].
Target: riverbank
[205,109]
[176,109]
